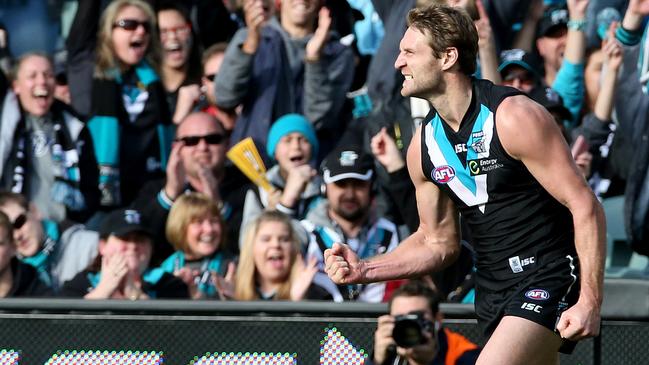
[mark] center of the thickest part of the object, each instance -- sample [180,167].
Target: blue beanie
[290,123]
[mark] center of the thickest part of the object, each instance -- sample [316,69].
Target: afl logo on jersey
[443,174]
[537,294]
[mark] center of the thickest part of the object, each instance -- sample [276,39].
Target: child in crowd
[293,144]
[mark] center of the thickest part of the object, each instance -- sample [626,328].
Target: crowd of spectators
[113,169]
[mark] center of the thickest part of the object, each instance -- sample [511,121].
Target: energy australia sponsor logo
[484,165]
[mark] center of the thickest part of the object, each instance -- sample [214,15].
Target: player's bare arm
[432,247]
[529,134]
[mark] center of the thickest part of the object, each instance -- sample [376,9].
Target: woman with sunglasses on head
[130,121]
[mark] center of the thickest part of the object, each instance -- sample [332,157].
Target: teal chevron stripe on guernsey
[472,190]
[448,151]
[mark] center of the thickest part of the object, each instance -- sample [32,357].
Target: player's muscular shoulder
[523,125]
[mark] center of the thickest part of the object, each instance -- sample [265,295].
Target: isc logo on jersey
[443,174]
[537,294]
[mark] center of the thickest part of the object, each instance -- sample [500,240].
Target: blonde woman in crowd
[114,67]
[196,230]
[271,265]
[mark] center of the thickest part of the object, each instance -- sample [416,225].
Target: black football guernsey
[516,225]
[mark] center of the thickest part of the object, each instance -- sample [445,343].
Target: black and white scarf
[65,158]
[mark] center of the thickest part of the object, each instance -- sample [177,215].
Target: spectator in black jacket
[114,77]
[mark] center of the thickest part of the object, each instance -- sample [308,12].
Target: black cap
[551,100]
[552,19]
[122,222]
[347,162]
[521,58]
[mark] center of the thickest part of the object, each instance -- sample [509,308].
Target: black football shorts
[540,297]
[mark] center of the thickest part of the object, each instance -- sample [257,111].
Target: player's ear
[450,58]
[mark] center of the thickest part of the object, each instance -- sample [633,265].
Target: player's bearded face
[420,69]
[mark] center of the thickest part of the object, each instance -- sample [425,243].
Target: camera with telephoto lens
[409,329]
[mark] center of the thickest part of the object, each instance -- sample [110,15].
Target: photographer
[412,332]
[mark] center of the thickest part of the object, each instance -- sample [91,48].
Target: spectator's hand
[255,15]
[583,158]
[274,198]
[296,182]
[113,272]
[209,184]
[640,7]
[175,172]
[577,9]
[584,161]
[188,276]
[483,26]
[304,278]
[343,265]
[421,354]
[133,286]
[3,39]
[317,42]
[612,49]
[188,96]
[225,284]
[536,10]
[383,338]
[385,151]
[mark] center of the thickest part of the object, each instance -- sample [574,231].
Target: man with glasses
[56,251]
[196,163]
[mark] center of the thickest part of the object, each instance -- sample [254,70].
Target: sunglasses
[211,139]
[131,24]
[20,221]
[210,77]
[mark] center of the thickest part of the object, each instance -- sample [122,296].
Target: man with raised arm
[495,156]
